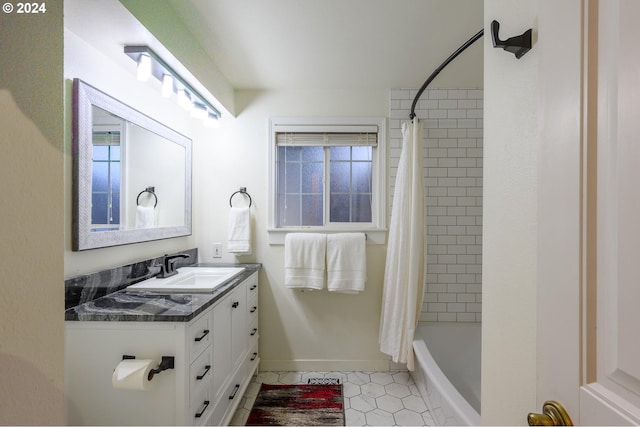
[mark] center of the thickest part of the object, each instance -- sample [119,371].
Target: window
[105,182]
[327,174]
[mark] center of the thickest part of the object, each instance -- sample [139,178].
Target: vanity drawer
[230,396]
[252,285]
[201,411]
[252,308]
[199,336]
[253,332]
[252,356]
[200,375]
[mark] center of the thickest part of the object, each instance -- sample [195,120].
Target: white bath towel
[145,217]
[304,260]
[346,262]
[239,233]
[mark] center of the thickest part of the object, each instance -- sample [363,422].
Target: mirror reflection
[135,173]
[132,175]
[106,172]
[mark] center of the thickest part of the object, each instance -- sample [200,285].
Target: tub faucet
[168,267]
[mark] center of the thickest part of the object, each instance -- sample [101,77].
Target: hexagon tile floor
[370,398]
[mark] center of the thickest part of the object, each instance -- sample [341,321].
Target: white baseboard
[312,365]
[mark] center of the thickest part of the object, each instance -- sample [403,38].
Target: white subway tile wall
[452,131]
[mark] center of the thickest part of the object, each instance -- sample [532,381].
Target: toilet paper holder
[167,362]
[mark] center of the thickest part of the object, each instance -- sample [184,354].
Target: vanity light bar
[167,76]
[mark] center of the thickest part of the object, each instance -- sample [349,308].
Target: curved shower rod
[444,64]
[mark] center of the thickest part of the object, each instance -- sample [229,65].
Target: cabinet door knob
[235,304]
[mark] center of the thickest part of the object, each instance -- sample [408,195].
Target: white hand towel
[145,217]
[239,233]
[346,262]
[304,263]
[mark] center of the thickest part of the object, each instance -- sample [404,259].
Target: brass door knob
[553,414]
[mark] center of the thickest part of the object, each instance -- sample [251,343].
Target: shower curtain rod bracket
[518,45]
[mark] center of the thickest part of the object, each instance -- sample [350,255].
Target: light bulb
[211,121]
[184,100]
[167,85]
[199,111]
[144,67]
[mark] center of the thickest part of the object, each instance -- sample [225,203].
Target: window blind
[106,138]
[334,136]
[326,139]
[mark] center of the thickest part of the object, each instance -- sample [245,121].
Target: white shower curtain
[404,272]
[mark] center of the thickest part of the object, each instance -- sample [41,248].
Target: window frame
[122,138]
[376,229]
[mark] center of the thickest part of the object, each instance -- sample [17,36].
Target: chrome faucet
[168,267]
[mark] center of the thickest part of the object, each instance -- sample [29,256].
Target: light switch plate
[217,250]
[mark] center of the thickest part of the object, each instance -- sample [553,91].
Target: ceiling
[275,44]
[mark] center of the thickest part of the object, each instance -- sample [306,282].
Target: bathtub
[447,371]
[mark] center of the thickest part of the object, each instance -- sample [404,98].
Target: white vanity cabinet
[215,356]
[236,361]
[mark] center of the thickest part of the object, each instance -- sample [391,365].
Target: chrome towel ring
[150,190]
[243,190]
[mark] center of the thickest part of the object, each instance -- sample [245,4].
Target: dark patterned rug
[299,405]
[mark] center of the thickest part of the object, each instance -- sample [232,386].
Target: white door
[589,211]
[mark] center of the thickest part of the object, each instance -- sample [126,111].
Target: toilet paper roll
[132,374]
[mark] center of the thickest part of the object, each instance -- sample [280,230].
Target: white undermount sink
[189,280]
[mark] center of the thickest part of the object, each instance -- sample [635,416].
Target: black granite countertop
[123,306]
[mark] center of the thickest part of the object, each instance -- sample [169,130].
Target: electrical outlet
[217,250]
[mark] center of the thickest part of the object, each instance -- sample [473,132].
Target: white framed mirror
[131,174]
